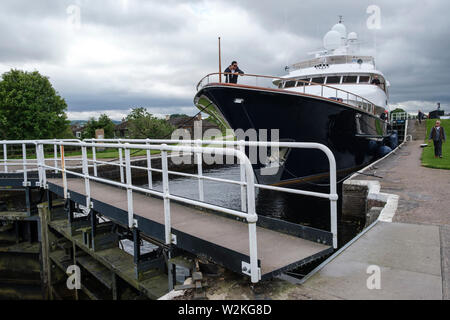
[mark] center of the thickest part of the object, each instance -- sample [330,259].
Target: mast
[220,64]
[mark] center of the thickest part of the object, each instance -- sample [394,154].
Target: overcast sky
[110,56]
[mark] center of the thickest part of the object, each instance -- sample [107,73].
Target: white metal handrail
[341,59]
[399,116]
[250,214]
[24,162]
[332,195]
[233,148]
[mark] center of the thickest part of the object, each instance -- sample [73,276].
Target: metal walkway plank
[275,250]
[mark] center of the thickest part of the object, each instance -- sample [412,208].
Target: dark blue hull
[354,136]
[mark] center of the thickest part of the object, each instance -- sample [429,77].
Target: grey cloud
[163,45]
[28,32]
[411,45]
[95,102]
[136,17]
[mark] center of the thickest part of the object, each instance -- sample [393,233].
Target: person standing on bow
[232,73]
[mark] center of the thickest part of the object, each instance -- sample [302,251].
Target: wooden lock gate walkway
[241,241]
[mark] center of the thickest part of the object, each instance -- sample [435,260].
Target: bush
[103,122]
[30,108]
[142,125]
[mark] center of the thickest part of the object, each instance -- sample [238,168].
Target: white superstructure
[340,66]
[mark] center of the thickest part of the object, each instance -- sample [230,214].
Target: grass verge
[428,159]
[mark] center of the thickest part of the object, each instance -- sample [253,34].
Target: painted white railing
[250,214]
[395,116]
[24,164]
[298,86]
[338,59]
[234,149]
[240,145]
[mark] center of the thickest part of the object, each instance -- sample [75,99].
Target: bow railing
[299,86]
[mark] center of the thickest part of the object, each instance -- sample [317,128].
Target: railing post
[5,157]
[94,158]
[63,169]
[41,163]
[24,161]
[199,157]
[44,170]
[121,164]
[87,186]
[333,204]
[255,277]
[242,169]
[55,154]
[166,193]
[149,166]
[252,218]
[333,199]
[38,163]
[129,178]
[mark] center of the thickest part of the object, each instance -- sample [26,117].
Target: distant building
[77,130]
[436,114]
[121,130]
[187,123]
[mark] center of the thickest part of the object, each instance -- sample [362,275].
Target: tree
[103,122]
[142,125]
[397,110]
[30,108]
[178,115]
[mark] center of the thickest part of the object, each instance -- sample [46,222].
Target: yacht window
[334,80]
[300,83]
[318,80]
[364,79]
[280,85]
[349,79]
[289,84]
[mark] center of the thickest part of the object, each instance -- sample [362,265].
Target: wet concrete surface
[407,257]
[445,254]
[424,192]
[412,253]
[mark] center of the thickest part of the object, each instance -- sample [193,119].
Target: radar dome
[352,36]
[332,40]
[339,27]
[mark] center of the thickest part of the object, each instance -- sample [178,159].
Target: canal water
[305,210]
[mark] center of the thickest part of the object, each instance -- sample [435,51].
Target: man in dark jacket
[420,116]
[233,68]
[438,135]
[375,80]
